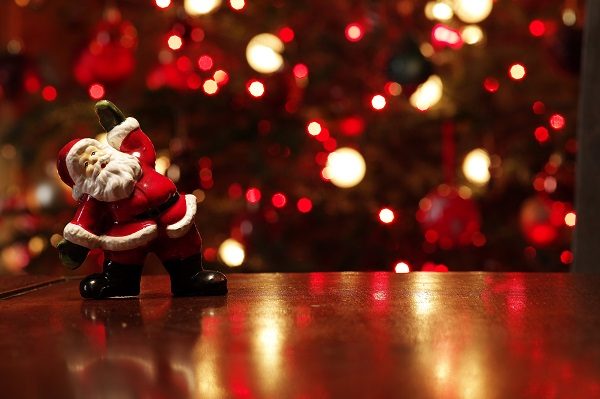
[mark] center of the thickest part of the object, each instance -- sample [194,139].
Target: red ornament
[109,57]
[543,220]
[448,219]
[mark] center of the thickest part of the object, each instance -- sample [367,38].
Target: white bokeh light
[476,167]
[473,11]
[345,167]
[200,7]
[428,94]
[263,53]
[232,253]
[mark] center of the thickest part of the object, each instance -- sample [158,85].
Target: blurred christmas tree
[346,135]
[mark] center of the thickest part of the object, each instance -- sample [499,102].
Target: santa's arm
[88,224]
[128,137]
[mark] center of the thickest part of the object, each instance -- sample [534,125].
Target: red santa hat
[66,159]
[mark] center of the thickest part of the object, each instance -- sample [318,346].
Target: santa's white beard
[113,182]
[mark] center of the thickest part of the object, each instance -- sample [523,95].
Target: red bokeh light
[538,107]
[352,125]
[304,205]
[354,32]
[541,134]
[286,34]
[491,85]
[300,71]
[253,195]
[566,257]
[210,254]
[49,93]
[537,28]
[442,36]
[205,62]
[557,121]
[279,200]
[96,91]
[234,191]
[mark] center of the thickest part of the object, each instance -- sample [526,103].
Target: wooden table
[319,335]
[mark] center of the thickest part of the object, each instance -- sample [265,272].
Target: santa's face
[91,159]
[104,173]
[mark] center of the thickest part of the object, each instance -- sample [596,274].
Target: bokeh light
[557,121]
[163,3]
[517,71]
[441,11]
[96,91]
[471,34]
[428,94]
[378,102]
[537,28]
[232,253]
[402,267]
[256,88]
[253,195]
[304,205]
[473,11]
[354,32]
[263,53]
[570,219]
[345,167]
[200,7]
[49,93]
[210,87]
[386,215]
[237,5]
[174,42]
[279,200]
[476,166]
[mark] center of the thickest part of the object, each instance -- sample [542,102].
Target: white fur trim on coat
[78,235]
[118,133]
[181,227]
[131,241]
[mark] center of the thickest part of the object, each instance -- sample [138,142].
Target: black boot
[116,280]
[189,279]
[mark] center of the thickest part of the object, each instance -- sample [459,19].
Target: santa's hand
[71,255]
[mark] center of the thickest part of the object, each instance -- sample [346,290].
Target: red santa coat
[120,225]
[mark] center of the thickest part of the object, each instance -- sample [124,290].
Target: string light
[314,128]
[473,11]
[386,216]
[300,71]
[253,195]
[221,77]
[263,53]
[557,121]
[541,134]
[304,205]
[49,93]
[570,219]
[517,71]
[402,267]
[279,200]
[537,28]
[200,7]
[476,166]
[174,42]
[96,91]
[210,87]
[232,253]
[354,32]
[256,88]
[491,85]
[163,3]
[471,34]
[237,5]
[427,94]
[205,62]
[345,167]
[286,34]
[378,102]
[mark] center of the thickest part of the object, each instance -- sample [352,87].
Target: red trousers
[163,246]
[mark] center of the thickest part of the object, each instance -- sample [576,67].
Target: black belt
[154,212]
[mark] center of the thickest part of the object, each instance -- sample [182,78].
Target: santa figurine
[128,209]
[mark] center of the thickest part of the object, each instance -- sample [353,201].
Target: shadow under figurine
[128,209]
